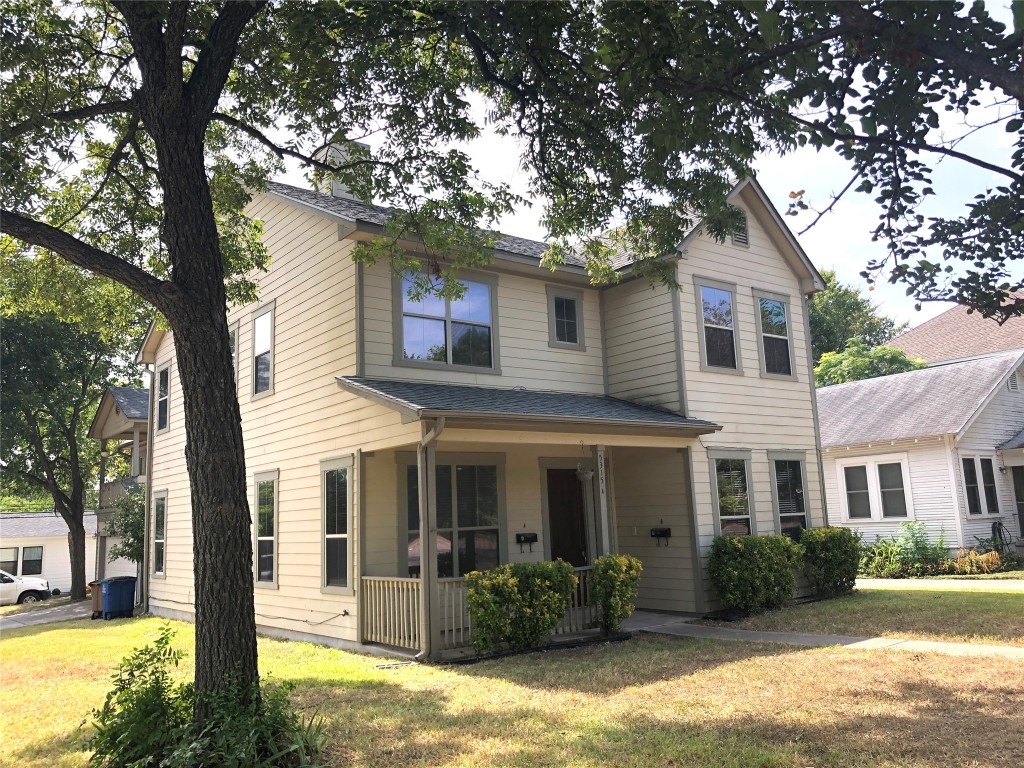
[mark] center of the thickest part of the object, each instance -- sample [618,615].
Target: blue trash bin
[118,596]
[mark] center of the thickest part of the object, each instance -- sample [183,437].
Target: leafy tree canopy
[129,523]
[840,313]
[858,361]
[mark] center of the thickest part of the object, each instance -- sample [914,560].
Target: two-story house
[394,445]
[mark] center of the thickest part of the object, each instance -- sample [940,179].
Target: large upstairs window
[774,334]
[716,311]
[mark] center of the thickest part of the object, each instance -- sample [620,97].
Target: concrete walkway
[949,585]
[662,624]
[47,615]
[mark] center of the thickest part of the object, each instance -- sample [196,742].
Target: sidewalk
[69,612]
[662,624]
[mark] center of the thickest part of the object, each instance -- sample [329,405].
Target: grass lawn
[652,701]
[997,576]
[957,616]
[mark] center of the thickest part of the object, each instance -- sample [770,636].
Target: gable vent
[1013,383]
[742,235]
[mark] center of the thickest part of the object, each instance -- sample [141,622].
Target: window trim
[397,327]
[156,400]
[709,282]
[271,475]
[758,294]
[267,308]
[784,455]
[874,491]
[159,496]
[403,459]
[983,506]
[328,465]
[745,455]
[234,328]
[573,294]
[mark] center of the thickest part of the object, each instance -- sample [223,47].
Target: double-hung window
[31,561]
[263,351]
[266,528]
[875,489]
[435,331]
[468,518]
[716,311]
[980,485]
[163,397]
[159,532]
[732,501]
[565,318]
[337,503]
[788,475]
[774,339]
[9,560]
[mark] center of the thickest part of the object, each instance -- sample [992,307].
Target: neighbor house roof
[955,334]
[133,401]
[25,525]
[939,400]
[1014,442]
[419,401]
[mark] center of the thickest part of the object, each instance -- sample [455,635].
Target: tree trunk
[76,548]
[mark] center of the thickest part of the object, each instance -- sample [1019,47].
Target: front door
[1018,490]
[567,513]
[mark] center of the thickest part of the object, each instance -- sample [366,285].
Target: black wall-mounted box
[526,538]
[661,533]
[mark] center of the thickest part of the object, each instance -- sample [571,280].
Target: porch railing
[581,614]
[391,611]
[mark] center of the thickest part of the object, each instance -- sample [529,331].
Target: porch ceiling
[521,408]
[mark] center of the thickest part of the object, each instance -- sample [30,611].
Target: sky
[841,240]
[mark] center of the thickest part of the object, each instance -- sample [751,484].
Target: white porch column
[602,499]
[135,453]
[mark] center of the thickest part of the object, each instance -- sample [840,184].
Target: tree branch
[37,233]
[831,205]
[72,115]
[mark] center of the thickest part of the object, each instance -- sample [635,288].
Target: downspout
[428,542]
[144,565]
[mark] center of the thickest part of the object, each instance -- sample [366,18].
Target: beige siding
[651,491]
[525,357]
[757,413]
[642,358]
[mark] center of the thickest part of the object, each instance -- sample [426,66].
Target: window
[773,334]
[9,560]
[716,311]
[565,318]
[263,352]
[31,561]
[159,532]
[266,528]
[732,496]
[789,496]
[437,331]
[467,519]
[163,397]
[337,523]
[980,486]
[741,236]
[233,341]
[876,488]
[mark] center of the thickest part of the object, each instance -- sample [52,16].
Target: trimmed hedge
[754,573]
[831,558]
[519,604]
[615,581]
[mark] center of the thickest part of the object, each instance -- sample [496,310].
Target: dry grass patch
[653,701]
[973,616]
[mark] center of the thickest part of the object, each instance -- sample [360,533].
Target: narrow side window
[163,397]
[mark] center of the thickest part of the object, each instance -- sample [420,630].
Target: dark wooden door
[1018,491]
[567,511]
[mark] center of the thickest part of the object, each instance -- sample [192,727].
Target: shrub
[615,581]
[831,558]
[908,553]
[146,720]
[970,562]
[754,573]
[519,604]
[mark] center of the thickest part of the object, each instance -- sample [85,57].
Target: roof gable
[119,404]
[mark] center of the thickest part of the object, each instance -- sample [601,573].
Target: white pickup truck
[24,589]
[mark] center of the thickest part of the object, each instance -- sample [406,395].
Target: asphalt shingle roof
[939,400]
[955,334]
[133,402]
[1014,442]
[25,525]
[437,399]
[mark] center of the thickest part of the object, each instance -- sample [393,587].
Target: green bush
[754,573]
[613,587]
[519,604]
[146,720]
[908,553]
[831,558]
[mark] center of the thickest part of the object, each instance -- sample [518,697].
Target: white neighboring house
[36,544]
[943,445]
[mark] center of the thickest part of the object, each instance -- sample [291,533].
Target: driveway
[68,612]
[956,585]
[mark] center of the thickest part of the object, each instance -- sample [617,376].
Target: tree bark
[76,548]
